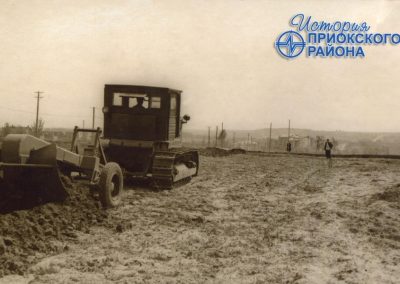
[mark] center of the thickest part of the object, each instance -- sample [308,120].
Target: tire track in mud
[244,219]
[266,209]
[341,255]
[326,241]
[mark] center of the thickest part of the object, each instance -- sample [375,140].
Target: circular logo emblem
[290,44]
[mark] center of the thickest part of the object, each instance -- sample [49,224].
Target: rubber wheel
[111,185]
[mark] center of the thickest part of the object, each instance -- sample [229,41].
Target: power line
[45,113]
[18,110]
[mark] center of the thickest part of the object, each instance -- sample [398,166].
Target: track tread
[163,167]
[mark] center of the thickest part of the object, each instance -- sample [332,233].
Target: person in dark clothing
[328,148]
[139,106]
[289,147]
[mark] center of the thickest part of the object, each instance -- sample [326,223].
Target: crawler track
[163,170]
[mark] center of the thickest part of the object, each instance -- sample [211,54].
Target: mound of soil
[390,194]
[31,231]
[220,152]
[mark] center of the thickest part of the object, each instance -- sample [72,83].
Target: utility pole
[38,97]
[270,135]
[266,139]
[209,136]
[248,141]
[233,140]
[83,123]
[216,136]
[288,137]
[222,129]
[94,111]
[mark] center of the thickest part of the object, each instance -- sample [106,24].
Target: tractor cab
[141,125]
[141,113]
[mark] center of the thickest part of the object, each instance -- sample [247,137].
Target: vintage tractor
[142,126]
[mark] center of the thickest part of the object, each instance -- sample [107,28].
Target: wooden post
[216,136]
[38,97]
[93,118]
[270,137]
[209,136]
[266,139]
[222,129]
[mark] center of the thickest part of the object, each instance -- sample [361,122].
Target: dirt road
[246,219]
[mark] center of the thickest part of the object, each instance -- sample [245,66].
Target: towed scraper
[32,164]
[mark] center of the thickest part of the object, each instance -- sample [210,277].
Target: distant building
[11,129]
[299,144]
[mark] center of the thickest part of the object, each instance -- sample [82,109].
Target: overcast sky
[220,53]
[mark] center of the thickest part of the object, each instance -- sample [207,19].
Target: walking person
[289,147]
[328,148]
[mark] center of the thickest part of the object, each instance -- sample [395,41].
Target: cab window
[173,102]
[155,102]
[136,102]
[117,100]
[131,100]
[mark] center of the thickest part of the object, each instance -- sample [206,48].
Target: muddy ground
[244,219]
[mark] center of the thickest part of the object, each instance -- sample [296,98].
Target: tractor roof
[140,88]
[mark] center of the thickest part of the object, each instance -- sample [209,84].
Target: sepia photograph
[200,141]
